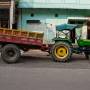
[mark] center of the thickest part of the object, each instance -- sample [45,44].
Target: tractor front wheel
[61,52]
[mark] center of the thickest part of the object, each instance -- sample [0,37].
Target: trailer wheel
[10,53]
[61,52]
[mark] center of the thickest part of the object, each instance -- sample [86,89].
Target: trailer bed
[20,37]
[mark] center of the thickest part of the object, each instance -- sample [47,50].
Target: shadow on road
[41,60]
[34,59]
[45,58]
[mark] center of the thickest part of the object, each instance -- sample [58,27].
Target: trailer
[13,41]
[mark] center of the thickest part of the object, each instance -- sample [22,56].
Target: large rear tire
[61,52]
[10,53]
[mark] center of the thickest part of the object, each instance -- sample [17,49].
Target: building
[7,13]
[37,15]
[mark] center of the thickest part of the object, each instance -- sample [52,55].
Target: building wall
[71,4]
[48,17]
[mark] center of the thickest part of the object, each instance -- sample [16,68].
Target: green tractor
[65,45]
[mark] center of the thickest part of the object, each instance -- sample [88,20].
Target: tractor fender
[56,40]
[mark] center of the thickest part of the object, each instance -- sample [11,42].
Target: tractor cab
[65,32]
[72,32]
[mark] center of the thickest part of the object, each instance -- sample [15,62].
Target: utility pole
[12,7]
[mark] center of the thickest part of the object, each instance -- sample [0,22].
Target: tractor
[65,45]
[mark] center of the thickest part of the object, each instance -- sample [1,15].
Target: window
[73,21]
[33,22]
[4,18]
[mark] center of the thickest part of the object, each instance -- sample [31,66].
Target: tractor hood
[65,27]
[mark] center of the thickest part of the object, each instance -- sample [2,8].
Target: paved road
[35,71]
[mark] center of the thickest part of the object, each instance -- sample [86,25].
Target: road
[35,71]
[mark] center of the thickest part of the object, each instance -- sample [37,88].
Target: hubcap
[10,53]
[61,52]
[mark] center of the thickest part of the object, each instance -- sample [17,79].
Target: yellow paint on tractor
[61,52]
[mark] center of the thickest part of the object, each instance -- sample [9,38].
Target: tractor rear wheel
[61,52]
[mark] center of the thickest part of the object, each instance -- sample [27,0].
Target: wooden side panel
[21,37]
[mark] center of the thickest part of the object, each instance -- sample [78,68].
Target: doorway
[4,18]
[78,22]
[88,30]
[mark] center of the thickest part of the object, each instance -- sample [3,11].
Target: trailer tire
[10,53]
[63,49]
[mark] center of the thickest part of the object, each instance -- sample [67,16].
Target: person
[51,33]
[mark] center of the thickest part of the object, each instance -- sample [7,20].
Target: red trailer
[13,41]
